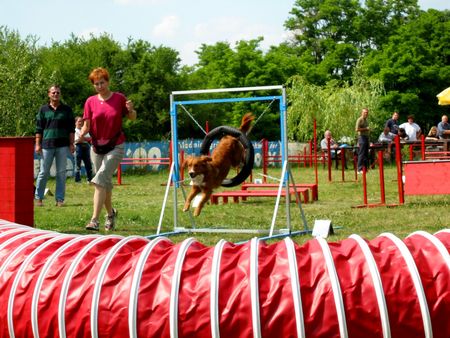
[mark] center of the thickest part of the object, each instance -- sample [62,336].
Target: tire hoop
[218,133]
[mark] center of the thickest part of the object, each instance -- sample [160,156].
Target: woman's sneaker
[110,220]
[92,225]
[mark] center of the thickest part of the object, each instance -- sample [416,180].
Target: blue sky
[182,25]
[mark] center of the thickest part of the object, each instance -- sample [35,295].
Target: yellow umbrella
[444,97]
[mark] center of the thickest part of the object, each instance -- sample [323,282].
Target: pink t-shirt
[105,117]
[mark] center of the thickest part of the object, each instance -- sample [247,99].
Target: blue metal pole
[174,138]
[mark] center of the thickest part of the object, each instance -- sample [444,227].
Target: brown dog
[207,173]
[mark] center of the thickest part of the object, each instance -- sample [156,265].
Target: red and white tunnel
[61,285]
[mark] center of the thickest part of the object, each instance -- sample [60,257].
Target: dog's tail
[247,120]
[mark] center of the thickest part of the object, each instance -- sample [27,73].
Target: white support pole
[166,195]
[277,203]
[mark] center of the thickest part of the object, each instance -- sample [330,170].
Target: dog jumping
[208,172]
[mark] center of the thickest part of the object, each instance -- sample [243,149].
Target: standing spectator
[393,123]
[54,140]
[444,127]
[362,128]
[102,116]
[412,129]
[82,151]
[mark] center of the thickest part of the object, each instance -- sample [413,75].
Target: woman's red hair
[99,73]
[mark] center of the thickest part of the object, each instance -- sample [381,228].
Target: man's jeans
[82,151]
[363,152]
[60,156]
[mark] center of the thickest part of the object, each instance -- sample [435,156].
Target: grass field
[140,197]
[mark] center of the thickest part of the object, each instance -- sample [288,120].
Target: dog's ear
[186,162]
[206,158]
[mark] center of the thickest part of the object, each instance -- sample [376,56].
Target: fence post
[398,160]
[119,174]
[330,163]
[422,139]
[381,171]
[315,151]
[265,157]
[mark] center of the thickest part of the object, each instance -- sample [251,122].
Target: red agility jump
[244,194]
[62,285]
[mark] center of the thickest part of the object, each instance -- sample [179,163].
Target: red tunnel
[59,285]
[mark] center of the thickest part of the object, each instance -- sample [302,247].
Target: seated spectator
[334,147]
[386,136]
[328,138]
[433,134]
[393,123]
[402,134]
[444,128]
[412,129]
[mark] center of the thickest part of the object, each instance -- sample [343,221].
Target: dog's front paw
[197,212]
[186,207]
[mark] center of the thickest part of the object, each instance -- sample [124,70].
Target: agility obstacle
[174,175]
[421,177]
[54,284]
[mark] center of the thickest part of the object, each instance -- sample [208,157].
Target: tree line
[343,55]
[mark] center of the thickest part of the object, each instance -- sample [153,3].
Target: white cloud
[167,28]
[228,29]
[187,53]
[232,29]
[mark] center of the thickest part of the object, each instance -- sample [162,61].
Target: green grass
[139,200]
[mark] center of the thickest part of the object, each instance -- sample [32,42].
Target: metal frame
[174,172]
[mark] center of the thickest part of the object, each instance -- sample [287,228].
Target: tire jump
[218,133]
[66,285]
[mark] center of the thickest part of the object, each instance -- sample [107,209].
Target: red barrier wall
[427,177]
[16,179]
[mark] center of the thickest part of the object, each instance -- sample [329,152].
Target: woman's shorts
[105,165]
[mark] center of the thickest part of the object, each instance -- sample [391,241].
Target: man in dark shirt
[393,123]
[54,139]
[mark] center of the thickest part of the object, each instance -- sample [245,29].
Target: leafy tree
[415,66]
[22,86]
[380,19]
[149,74]
[334,106]
[144,73]
[319,26]
[245,65]
[332,35]
[69,64]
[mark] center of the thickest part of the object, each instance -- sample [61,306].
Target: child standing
[82,151]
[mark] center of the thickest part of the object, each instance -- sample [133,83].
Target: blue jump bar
[242,99]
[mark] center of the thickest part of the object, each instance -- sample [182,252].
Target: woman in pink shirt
[103,114]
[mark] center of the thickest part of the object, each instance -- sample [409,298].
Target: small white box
[322,228]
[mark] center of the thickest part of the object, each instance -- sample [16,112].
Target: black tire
[218,133]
